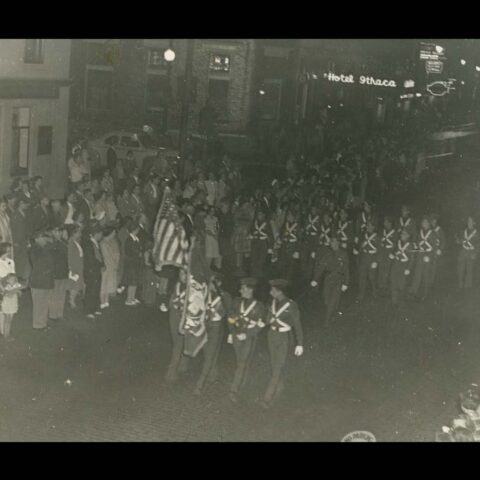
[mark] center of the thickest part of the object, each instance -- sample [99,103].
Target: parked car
[143,146]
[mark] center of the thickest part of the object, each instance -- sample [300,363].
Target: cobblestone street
[394,373]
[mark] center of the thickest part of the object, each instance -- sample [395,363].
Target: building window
[20,139]
[218,95]
[45,135]
[103,54]
[33,51]
[270,97]
[219,63]
[155,58]
[156,94]
[99,89]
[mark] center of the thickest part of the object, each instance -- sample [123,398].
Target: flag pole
[187,289]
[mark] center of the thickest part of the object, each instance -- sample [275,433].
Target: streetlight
[169,55]
[477,68]
[463,62]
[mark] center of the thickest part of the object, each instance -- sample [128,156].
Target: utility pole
[187,87]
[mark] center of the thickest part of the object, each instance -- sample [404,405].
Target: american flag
[170,243]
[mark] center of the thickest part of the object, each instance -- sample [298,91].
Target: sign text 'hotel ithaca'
[362,80]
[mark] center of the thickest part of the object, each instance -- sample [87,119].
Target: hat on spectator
[249,282]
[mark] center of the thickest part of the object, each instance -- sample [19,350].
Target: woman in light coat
[110,248]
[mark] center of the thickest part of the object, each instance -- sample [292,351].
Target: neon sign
[440,88]
[362,80]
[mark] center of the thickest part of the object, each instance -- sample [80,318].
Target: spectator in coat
[75,284]
[111,257]
[92,271]
[60,273]
[36,189]
[19,224]
[41,215]
[42,278]
[133,264]
[5,231]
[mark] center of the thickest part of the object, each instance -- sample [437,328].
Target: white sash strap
[324,238]
[424,245]
[367,244]
[311,228]
[291,233]
[467,243]
[386,242]
[276,323]
[400,253]
[363,225]
[259,232]
[216,317]
[244,313]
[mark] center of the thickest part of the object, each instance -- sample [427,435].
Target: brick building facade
[128,83]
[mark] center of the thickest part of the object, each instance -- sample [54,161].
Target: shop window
[219,63]
[156,94]
[33,51]
[20,139]
[156,59]
[45,135]
[270,97]
[106,54]
[99,89]
[218,95]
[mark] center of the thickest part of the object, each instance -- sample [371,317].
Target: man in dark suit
[42,215]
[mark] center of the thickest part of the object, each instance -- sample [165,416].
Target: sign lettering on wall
[362,80]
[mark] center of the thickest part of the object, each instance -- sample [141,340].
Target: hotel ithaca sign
[361,80]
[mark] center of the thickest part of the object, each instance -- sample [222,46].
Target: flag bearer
[282,317]
[337,279]
[178,361]
[387,245]
[245,321]
[403,258]
[426,244]
[261,236]
[218,306]
[469,242]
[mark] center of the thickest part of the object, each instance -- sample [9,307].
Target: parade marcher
[361,223]
[41,278]
[310,240]
[60,273]
[262,240]
[368,259]
[403,258]
[469,244]
[76,284]
[93,267]
[245,322]
[282,317]
[178,361]
[387,245]
[345,230]
[323,246]
[426,246]
[440,246]
[337,279]
[406,222]
[289,241]
[218,306]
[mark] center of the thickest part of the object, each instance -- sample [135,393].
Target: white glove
[242,336]
[355,239]
[269,251]
[313,283]
[439,252]
[344,288]
[230,338]
[296,255]
[313,254]
[274,259]
[391,256]
[407,272]
[374,265]
[426,259]
[260,324]
[355,251]
[298,351]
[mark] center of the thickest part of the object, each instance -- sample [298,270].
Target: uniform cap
[278,282]
[249,282]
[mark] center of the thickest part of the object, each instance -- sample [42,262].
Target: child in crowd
[11,288]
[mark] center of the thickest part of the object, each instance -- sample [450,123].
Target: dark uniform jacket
[335,263]
[283,317]
[245,318]
[404,254]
